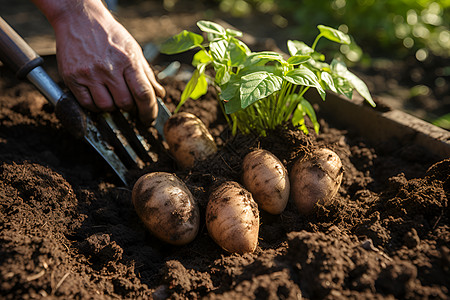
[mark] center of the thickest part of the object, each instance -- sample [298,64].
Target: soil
[68,228]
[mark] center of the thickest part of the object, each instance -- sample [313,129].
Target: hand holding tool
[121,146]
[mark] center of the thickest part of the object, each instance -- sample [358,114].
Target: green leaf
[298,118]
[219,50]
[222,74]
[191,90]
[334,34]
[230,90]
[202,67]
[201,57]
[237,52]
[253,60]
[260,59]
[298,59]
[328,82]
[269,55]
[200,88]
[228,52]
[298,48]
[256,68]
[306,77]
[230,96]
[232,32]
[301,76]
[242,45]
[360,86]
[343,86]
[211,27]
[181,42]
[214,37]
[232,106]
[258,85]
[341,69]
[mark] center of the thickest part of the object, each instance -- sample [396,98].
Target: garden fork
[110,134]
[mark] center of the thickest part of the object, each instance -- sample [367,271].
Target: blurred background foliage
[403,45]
[397,28]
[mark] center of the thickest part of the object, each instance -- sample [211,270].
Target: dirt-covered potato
[315,180]
[166,207]
[232,218]
[188,138]
[267,179]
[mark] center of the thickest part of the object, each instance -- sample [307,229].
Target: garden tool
[111,134]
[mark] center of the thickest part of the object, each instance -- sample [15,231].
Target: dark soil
[68,228]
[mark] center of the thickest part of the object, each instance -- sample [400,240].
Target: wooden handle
[15,52]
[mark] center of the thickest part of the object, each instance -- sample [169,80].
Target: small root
[36,276]
[60,282]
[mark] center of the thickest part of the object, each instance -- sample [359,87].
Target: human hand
[102,64]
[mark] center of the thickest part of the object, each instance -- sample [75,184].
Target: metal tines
[112,135]
[128,144]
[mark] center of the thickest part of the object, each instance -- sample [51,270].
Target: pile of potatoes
[167,208]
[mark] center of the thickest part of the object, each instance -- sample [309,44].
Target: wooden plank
[376,125]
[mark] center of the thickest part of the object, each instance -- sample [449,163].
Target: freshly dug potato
[188,139]
[267,179]
[232,218]
[315,180]
[166,207]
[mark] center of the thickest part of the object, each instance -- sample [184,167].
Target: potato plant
[262,90]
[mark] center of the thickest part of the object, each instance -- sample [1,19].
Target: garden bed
[68,227]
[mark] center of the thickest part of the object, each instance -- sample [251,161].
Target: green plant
[262,90]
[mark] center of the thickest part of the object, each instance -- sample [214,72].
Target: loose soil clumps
[68,228]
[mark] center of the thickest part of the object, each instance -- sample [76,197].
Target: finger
[101,97]
[143,93]
[159,89]
[121,95]
[83,96]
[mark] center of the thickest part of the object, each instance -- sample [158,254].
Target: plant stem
[283,108]
[305,89]
[316,41]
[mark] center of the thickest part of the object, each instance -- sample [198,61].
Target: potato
[188,139]
[267,179]
[315,180]
[232,218]
[166,207]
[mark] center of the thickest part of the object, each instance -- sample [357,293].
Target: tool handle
[15,52]
[25,62]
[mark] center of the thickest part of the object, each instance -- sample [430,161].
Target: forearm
[64,10]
